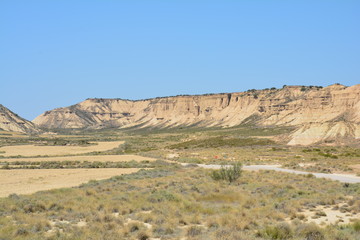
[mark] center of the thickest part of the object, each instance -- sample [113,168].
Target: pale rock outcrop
[318,113]
[10,121]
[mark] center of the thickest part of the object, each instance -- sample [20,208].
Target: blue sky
[58,53]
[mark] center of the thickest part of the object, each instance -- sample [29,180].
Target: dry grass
[180,203]
[171,202]
[30,181]
[33,150]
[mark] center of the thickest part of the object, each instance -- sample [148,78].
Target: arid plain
[167,200]
[255,165]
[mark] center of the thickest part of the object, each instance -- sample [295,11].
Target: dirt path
[345,178]
[26,181]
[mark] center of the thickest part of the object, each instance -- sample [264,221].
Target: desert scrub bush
[281,231]
[328,155]
[160,196]
[310,232]
[356,226]
[161,230]
[143,235]
[194,231]
[227,173]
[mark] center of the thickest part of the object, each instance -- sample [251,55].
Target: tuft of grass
[310,232]
[281,231]
[356,226]
[143,235]
[194,231]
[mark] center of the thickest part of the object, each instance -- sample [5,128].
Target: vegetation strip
[345,178]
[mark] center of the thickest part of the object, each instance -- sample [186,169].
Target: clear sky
[60,52]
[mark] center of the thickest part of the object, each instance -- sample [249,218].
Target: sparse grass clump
[356,226]
[310,232]
[194,231]
[281,231]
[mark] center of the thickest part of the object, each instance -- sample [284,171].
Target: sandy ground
[327,215]
[26,181]
[346,178]
[32,150]
[95,158]
[331,216]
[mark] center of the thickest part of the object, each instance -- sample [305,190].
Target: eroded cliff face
[304,107]
[10,121]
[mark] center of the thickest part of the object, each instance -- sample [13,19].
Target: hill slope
[10,121]
[335,106]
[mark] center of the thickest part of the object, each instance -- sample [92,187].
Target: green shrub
[310,232]
[227,173]
[161,196]
[328,155]
[356,226]
[280,231]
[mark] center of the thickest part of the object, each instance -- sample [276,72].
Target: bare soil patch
[33,150]
[29,181]
[326,215]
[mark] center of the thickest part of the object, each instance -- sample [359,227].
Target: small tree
[227,173]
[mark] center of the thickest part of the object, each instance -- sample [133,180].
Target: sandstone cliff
[10,121]
[334,111]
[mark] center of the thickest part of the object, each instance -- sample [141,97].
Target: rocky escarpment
[303,107]
[10,121]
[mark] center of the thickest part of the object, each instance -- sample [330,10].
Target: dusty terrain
[171,201]
[26,181]
[325,215]
[33,150]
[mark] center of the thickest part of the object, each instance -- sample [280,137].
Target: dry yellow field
[26,181]
[32,150]
[95,158]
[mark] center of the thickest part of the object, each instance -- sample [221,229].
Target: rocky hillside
[319,113]
[10,121]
